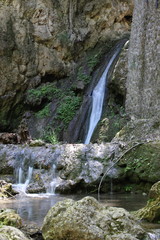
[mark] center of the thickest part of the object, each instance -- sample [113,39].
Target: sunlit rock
[87,219]
[11,233]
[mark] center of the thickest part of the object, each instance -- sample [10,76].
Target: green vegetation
[113,121]
[47,91]
[68,107]
[93,60]
[3,122]
[2,224]
[68,103]
[84,72]
[128,188]
[82,76]
[136,158]
[64,38]
[50,135]
[44,112]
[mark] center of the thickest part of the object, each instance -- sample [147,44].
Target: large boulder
[11,233]
[88,220]
[151,212]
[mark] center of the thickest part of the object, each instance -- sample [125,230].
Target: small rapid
[22,186]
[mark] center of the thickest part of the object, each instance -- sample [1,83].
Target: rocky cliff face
[143,84]
[43,41]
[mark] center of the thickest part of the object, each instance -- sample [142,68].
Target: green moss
[151,212]
[143,161]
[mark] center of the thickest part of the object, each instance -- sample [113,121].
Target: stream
[34,207]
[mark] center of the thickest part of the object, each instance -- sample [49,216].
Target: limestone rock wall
[46,38]
[143,84]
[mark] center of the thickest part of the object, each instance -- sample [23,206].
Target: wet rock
[37,185]
[65,187]
[35,188]
[79,167]
[117,82]
[10,217]
[87,219]
[11,233]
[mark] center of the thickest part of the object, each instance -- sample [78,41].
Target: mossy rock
[9,217]
[11,233]
[143,162]
[87,219]
[151,212]
[155,191]
[6,190]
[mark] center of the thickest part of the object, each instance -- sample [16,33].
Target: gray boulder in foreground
[89,220]
[11,233]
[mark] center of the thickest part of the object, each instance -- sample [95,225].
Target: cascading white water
[97,99]
[153,236]
[29,176]
[20,175]
[20,186]
[53,183]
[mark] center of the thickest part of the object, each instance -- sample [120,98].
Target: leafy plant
[47,91]
[68,107]
[82,76]
[50,136]
[45,112]
[128,188]
[93,60]
[128,168]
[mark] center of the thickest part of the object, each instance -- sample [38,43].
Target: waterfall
[20,175]
[29,176]
[153,236]
[53,183]
[20,186]
[98,98]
